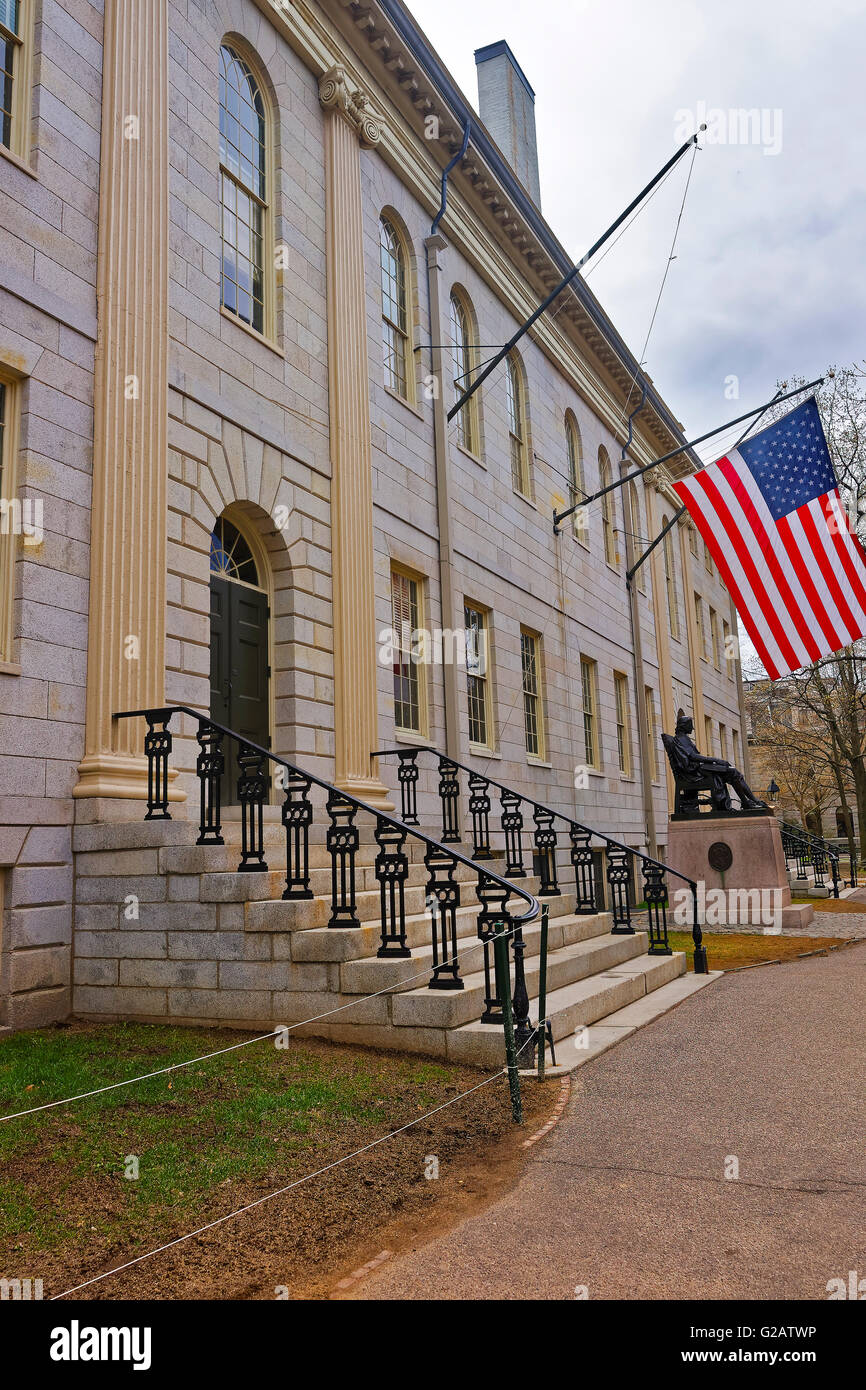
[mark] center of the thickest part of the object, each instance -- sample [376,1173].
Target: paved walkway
[628,1197]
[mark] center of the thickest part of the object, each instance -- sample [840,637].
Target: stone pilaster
[662,625]
[126,666]
[348,125]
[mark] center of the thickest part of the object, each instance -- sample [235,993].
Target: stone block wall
[48,238]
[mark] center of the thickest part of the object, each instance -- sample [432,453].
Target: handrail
[548,810]
[168,710]
[512,826]
[815,845]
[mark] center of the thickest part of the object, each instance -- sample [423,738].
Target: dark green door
[239,670]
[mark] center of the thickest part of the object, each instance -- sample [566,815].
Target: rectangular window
[729,660]
[623,748]
[735,738]
[406,622]
[590,740]
[701,627]
[723,741]
[708,559]
[533,714]
[714,637]
[14,76]
[671,584]
[651,732]
[477,683]
[708,735]
[10,515]
[693,541]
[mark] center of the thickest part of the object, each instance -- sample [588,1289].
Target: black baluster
[443,900]
[252,790]
[802,862]
[449,793]
[407,776]
[157,746]
[479,809]
[584,870]
[523,1030]
[819,864]
[700,960]
[512,827]
[210,766]
[392,870]
[342,844]
[656,898]
[297,815]
[618,873]
[493,917]
[545,852]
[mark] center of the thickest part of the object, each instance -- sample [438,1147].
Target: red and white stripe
[799,584]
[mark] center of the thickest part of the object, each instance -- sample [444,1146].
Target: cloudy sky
[769,276]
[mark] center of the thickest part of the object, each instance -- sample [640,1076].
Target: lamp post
[772,792]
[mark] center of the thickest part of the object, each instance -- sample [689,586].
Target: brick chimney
[506,104]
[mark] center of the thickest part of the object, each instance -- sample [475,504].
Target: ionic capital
[335,94]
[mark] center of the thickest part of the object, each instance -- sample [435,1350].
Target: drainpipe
[636,647]
[434,246]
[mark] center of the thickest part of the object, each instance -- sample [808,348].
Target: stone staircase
[170,931]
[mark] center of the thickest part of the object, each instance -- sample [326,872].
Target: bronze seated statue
[695,772]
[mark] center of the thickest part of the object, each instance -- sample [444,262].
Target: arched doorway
[239,644]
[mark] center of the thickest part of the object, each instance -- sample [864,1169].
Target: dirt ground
[297,1245]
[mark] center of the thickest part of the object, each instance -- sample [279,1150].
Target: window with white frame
[590,717]
[533,707]
[477,675]
[463,361]
[516,403]
[245,271]
[623,741]
[395,312]
[406,621]
[651,732]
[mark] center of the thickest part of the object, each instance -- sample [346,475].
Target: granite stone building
[230,333]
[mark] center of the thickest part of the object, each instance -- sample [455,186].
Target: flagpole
[559,517]
[575,270]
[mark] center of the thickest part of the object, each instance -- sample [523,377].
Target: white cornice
[480,222]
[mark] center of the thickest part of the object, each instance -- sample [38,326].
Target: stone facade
[48,266]
[253,423]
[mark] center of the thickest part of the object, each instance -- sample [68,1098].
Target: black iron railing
[515,812]
[342,840]
[806,850]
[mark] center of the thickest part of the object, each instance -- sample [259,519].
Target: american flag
[771,515]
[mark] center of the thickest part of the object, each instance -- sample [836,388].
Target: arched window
[243,192]
[463,361]
[230,554]
[516,400]
[576,489]
[395,315]
[608,514]
[638,542]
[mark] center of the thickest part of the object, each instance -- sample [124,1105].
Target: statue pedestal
[738,864]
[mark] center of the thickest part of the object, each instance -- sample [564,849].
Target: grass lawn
[727,950]
[212,1138]
[832,904]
